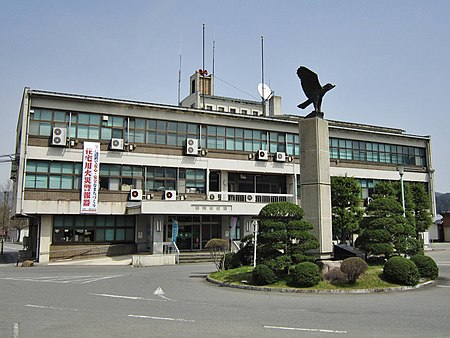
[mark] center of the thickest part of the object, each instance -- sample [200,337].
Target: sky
[389,60]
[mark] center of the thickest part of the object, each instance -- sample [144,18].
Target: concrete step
[195,257]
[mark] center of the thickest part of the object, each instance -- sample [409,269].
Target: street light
[401,171]
[255,234]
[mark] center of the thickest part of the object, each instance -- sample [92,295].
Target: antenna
[213,50]
[179,79]
[262,77]
[265,92]
[202,87]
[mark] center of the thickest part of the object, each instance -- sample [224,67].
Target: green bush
[262,275]
[280,265]
[305,274]
[231,261]
[401,270]
[353,267]
[426,265]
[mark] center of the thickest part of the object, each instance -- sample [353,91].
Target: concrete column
[45,238]
[158,234]
[315,180]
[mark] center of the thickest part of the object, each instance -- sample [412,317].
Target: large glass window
[376,152]
[160,179]
[93,229]
[52,175]
[121,177]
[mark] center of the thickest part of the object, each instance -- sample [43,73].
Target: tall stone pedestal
[315,180]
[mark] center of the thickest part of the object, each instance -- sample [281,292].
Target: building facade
[108,176]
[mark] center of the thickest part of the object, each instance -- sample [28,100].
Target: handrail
[235,247]
[166,250]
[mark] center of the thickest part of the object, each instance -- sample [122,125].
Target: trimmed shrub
[262,275]
[280,265]
[231,261]
[336,276]
[426,265]
[305,274]
[401,270]
[353,267]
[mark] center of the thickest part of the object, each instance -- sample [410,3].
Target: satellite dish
[264,91]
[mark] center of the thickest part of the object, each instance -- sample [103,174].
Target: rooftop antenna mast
[179,79]
[213,51]
[202,87]
[264,91]
[262,76]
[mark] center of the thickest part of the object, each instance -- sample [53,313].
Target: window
[195,180]
[121,178]
[376,152]
[53,175]
[42,121]
[160,179]
[93,229]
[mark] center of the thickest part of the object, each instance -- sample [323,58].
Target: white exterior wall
[45,238]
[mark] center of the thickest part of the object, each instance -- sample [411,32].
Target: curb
[294,290]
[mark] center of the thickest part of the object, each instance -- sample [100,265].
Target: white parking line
[163,318]
[443,286]
[50,307]
[126,297]
[62,279]
[302,329]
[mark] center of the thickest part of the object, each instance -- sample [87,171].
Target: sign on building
[90,178]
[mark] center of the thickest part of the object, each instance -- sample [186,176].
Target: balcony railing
[258,197]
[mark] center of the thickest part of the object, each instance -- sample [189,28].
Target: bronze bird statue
[313,90]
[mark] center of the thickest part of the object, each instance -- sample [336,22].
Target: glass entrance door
[184,239]
[195,231]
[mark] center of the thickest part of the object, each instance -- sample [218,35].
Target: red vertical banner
[90,178]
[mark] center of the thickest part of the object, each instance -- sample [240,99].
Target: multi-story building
[107,176]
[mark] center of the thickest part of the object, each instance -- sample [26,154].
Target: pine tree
[346,213]
[284,236]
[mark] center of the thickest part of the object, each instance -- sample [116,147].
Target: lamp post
[255,234]
[401,171]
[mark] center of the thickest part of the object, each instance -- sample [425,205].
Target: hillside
[442,202]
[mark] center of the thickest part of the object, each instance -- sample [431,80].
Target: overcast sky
[390,60]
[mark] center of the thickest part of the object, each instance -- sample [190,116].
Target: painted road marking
[62,279]
[126,297]
[443,286]
[16,330]
[163,318]
[160,293]
[302,329]
[50,307]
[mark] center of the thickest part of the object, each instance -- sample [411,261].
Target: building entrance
[195,231]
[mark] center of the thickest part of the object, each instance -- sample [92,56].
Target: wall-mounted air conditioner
[262,155]
[191,147]
[367,201]
[170,195]
[116,144]
[280,156]
[136,195]
[59,137]
[250,198]
[215,196]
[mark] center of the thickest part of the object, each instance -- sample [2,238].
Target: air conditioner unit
[170,195]
[262,155]
[250,198]
[215,196]
[280,157]
[59,137]
[192,146]
[116,144]
[136,195]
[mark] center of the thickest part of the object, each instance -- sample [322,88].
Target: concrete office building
[109,176]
